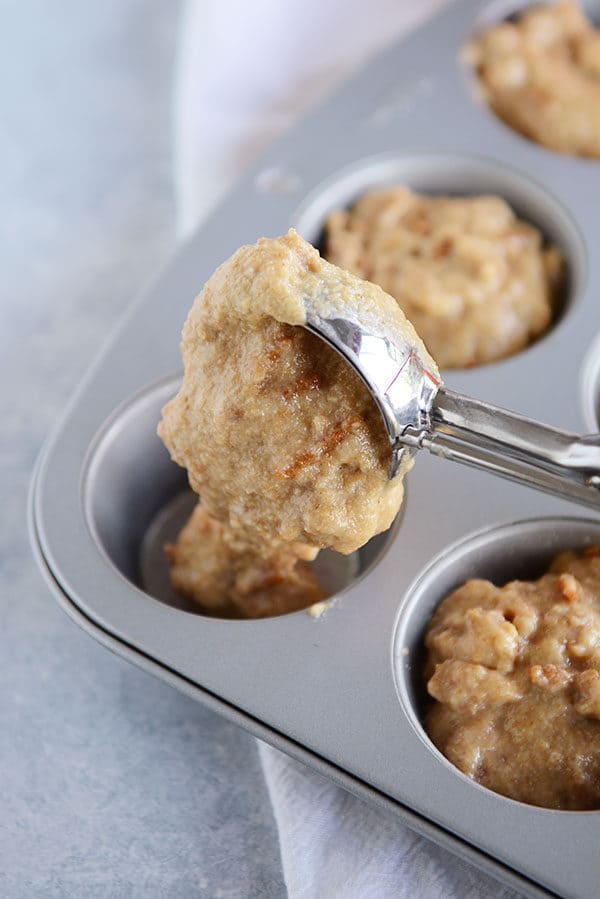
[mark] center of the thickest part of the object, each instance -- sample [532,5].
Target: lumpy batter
[477,283]
[515,675]
[541,74]
[213,564]
[279,436]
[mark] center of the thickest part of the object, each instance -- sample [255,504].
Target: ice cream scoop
[420,413]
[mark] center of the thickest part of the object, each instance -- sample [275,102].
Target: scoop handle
[420,413]
[466,430]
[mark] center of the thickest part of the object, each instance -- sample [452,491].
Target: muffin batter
[515,675]
[279,436]
[213,565]
[541,74]
[477,283]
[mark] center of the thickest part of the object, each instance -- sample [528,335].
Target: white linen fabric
[245,72]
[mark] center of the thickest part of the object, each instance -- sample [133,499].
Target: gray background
[111,783]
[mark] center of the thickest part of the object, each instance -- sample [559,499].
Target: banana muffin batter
[212,564]
[279,436]
[515,675]
[477,283]
[541,74]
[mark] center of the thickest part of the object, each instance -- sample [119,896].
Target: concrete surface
[111,784]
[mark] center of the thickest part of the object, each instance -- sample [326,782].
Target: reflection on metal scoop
[419,413]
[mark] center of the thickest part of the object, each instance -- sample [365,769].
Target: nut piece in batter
[477,283]
[279,436]
[515,675]
[541,75]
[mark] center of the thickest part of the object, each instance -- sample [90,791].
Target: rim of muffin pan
[517,550]
[494,13]
[590,386]
[132,509]
[458,175]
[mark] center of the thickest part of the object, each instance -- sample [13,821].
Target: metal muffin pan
[341,691]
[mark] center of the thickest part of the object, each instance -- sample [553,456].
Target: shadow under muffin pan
[325,689]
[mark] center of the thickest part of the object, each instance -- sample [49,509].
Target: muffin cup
[136,500]
[521,550]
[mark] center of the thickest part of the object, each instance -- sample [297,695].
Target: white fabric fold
[334,846]
[244,73]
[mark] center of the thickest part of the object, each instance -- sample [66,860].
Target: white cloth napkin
[245,72]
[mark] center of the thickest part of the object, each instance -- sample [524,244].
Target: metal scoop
[419,413]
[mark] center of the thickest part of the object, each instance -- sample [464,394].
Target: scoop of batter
[279,436]
[477,283]
[541,74]
[515,675]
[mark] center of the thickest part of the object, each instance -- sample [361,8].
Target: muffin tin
[342,690]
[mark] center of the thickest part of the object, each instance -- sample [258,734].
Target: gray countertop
[111,783]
